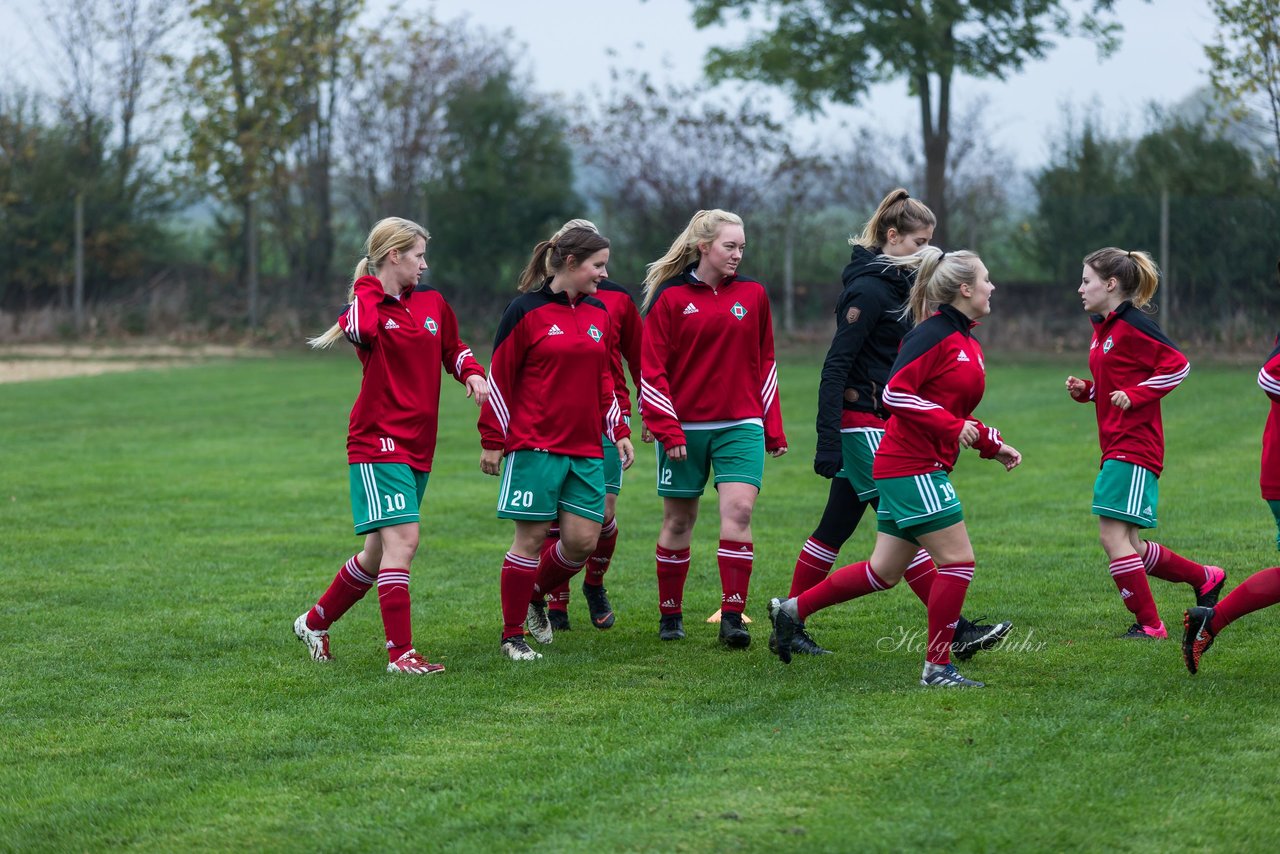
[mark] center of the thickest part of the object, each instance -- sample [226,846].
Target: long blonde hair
[387,234]
[899,211]
[702,228]
[939,276]
[1135,272]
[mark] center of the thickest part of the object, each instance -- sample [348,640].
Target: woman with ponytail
[1134,365]
[851,416]
[402,337]
[624,325]
[936,382]
[551,398]
[709,396]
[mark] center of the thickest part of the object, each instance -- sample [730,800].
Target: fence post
[1164,256]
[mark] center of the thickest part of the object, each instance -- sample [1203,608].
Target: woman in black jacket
[870,324]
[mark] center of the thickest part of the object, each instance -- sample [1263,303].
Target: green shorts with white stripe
[858,449]
[918,504]
[1126,492]
[385,494]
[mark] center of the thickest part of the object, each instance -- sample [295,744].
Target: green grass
[162,529]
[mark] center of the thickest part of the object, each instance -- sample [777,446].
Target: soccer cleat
[1208,593]
[517,649]
[537,623]
[973,637]
[784,630]
[412,662]
[316,640]
[559,620]
[671,627]
[804,644]
[1141,632]
[1197,637]
[598,605]
[946,677]
[733,632]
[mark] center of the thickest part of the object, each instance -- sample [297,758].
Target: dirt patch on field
[50,361]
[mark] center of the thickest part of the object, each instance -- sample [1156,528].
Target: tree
[835,50]
[1245,58]
[506,182]
[407,74]
[657,155]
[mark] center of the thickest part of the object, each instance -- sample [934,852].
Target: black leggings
[841,516]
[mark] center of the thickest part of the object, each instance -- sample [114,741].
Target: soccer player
[870,324]
[936,382]
[624,323]
[401,337]
[551,396]
[709,395]
[1201,624]
[1134,365]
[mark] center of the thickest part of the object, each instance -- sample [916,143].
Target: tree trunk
[77,296]
[251,259]
[788,275]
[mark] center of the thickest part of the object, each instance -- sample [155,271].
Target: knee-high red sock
[553,570]
[1257,591]
[734,558]
[347,588]
[1131,580]
[558,599]
[812,565]
[516,586]
[920,575]
[1166,564]
[673,569]
[847,582]
[598,563]
[393,598]
[946,601]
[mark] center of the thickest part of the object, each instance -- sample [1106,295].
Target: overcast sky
[569,46]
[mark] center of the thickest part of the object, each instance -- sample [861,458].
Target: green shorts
[917,504]
[858,447]
[385,494]
[612,466]
[736,452]
[537,485]
[1126,492]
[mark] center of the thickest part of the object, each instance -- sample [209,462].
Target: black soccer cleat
[972,637]
[804,644]
[598,605]
[559,620]
[784,630]
[671,627]
[733,632]
[1197,637]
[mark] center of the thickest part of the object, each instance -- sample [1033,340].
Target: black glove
[828,462]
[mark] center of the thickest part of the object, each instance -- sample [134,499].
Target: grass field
[162,529]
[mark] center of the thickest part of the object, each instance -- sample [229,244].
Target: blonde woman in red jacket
[402,338]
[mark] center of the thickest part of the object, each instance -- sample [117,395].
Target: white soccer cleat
[517,649]
[316,640]
[538,623]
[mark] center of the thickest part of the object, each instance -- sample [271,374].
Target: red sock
[920,575]
[946,601]
[847,582]
[558,599]
[553,570]
[393,597]
[598,563]
[1257,591]
[516,586]
[1131,580]
[347,588]
[673,569]
[735,559]
[1166,564]
[812,566]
